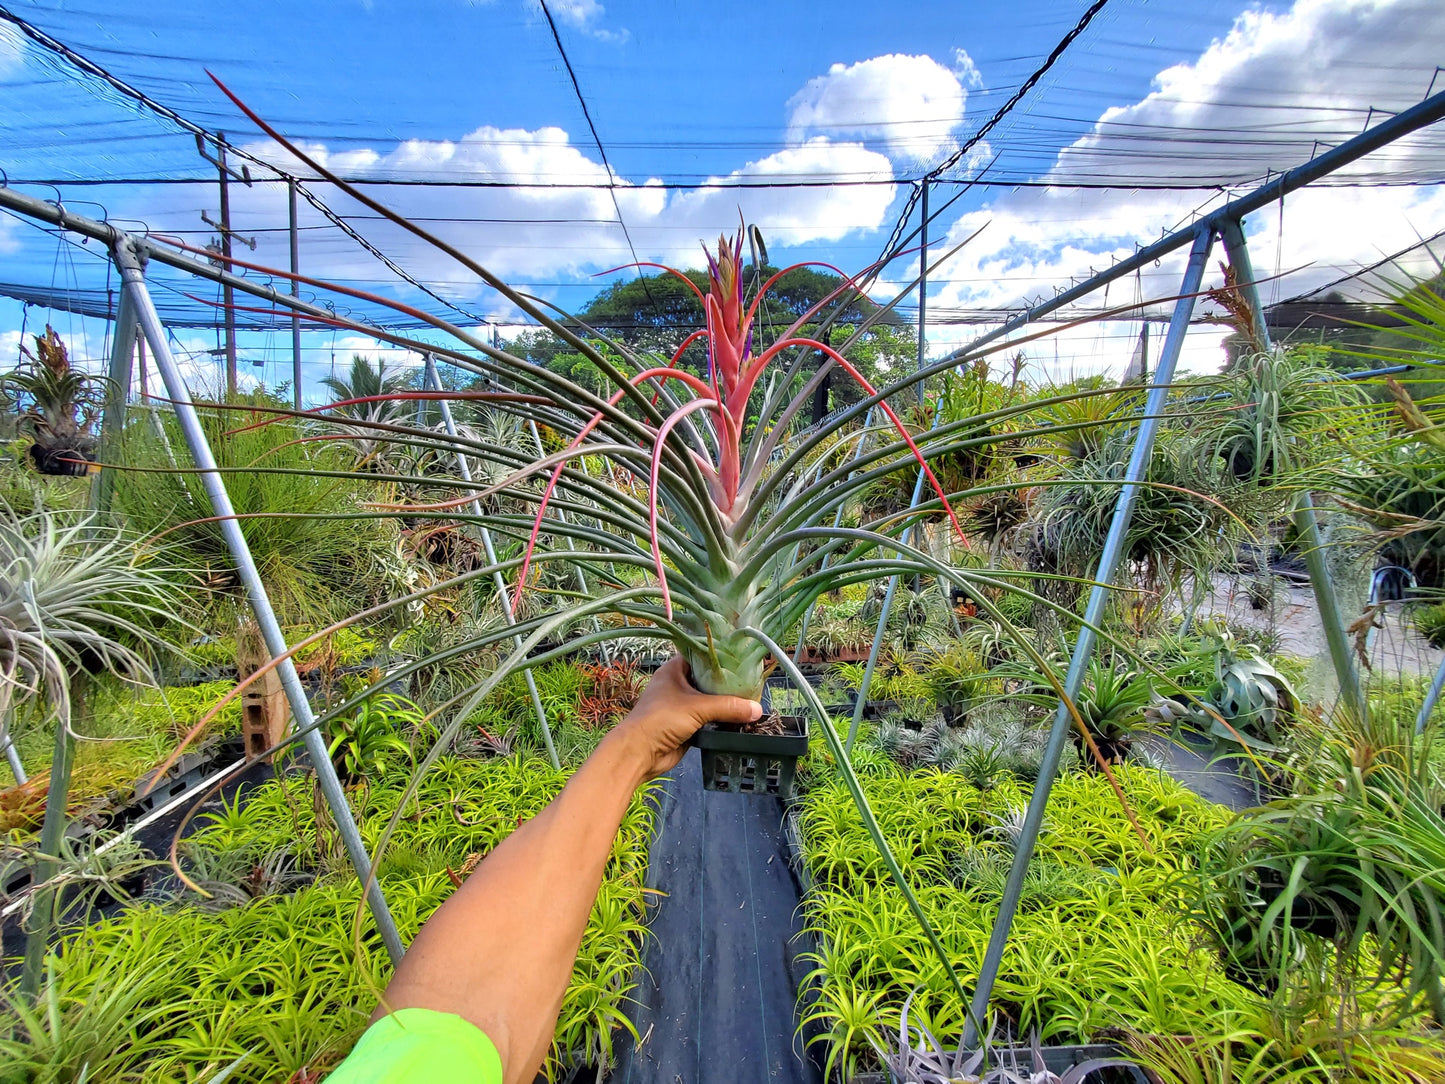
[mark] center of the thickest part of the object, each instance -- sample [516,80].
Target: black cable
[1308,294]
[89,67]
[999,114]
[1391,181]
[596,139]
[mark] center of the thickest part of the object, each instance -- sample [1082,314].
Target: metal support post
[1093,616]
[877,646]
[837,519]
[228,296]
[923,285]
[433,381]
[1431,699]
[117,394]
[295,292]
[133,280]
[12,755]
[1326,599]
[576,569]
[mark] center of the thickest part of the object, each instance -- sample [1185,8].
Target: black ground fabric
[717,1000]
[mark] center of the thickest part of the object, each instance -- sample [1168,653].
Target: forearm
[500,951]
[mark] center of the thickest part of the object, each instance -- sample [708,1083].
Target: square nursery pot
[743,763]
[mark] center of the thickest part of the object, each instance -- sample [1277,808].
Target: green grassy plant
[1097,945]
[1347,869]
[306,559]
[278,979]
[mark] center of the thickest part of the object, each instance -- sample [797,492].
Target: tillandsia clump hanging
[58,407]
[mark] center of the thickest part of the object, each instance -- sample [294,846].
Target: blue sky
[1153,91]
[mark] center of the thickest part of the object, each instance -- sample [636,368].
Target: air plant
[58,406]
[729,540]
[75,598]
[930,1063]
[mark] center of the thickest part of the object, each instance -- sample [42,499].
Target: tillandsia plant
[695,506]
[76,599]
[727,518]
[58,406]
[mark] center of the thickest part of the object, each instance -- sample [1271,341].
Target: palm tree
[367,393]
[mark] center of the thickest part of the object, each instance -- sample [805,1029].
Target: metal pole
[295,292]
[576,569]
[1431,699]
[117,393]
[888,595]
[433,381]
[923,286]
[1237,249]
[837,519]
[876,648]
[133,278]
[1387,131]
[1326,599]
[1093,616]
[12,755]
[228,296]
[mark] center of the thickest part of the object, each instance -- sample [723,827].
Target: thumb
[729,709]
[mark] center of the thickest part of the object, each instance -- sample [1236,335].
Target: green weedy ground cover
[177,990]
[1099,941]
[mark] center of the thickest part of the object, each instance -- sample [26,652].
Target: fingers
[730,709]
[671,680]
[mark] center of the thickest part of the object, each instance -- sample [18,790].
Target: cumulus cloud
[584,15]
[909,105]
[549,229]
[1271,87]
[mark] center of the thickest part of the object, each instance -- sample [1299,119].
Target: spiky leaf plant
[58,406]
[76,598]
[707,524]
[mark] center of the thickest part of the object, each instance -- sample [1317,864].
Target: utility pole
[228,296]
[295,292]
[922,284]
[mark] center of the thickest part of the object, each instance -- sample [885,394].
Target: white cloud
[584,15]
[910,105]
[1255,100]
[794,216]
[12,51]
[533,234]
[9,235]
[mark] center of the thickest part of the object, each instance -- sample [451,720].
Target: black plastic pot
[63,461]
[955,714]
[742,763]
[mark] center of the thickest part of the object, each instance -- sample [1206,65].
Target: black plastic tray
[742,763]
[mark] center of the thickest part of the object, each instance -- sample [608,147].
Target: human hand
[670,712]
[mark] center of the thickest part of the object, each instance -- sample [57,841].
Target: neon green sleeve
[421,1046]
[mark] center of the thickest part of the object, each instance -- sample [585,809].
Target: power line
[611,177]
[988,125]
[90,67]
[1392,181]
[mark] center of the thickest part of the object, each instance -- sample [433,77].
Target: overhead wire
[601,151]
[91,68]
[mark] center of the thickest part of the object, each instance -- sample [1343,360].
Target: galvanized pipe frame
[1387,131]
[1322,584]
[1109,557]
[433,381]
[128,259]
